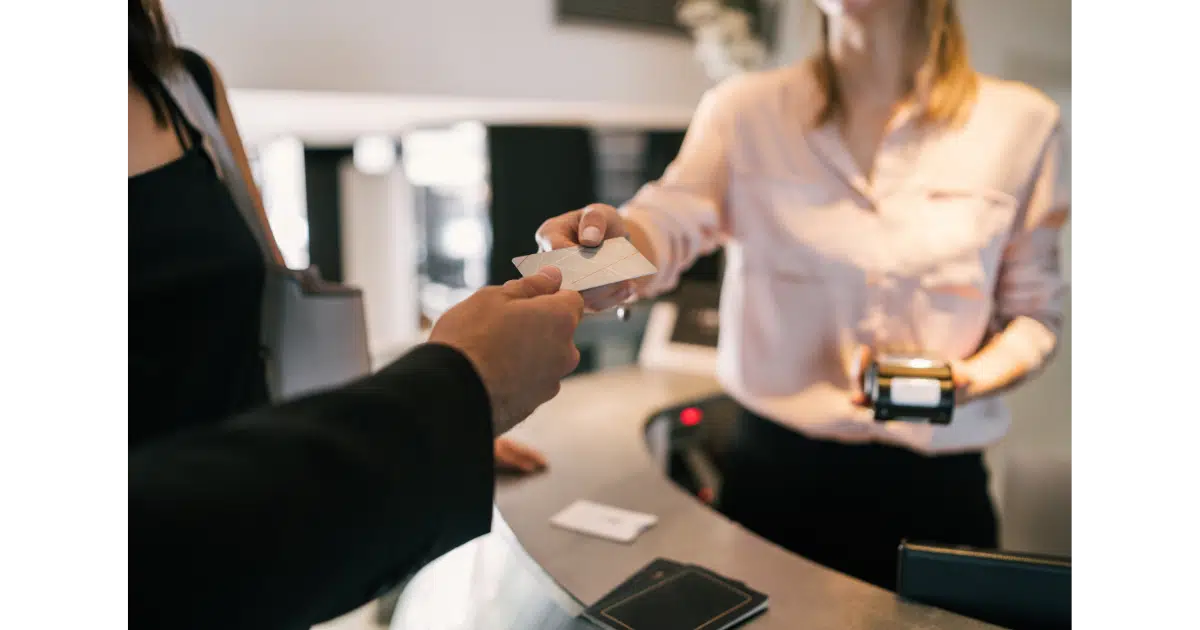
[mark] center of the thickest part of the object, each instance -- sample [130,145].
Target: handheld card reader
[910,388]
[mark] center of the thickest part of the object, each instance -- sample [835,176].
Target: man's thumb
[545,282]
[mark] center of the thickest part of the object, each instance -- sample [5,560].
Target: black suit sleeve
[291,515]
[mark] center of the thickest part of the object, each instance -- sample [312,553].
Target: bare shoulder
[151,145]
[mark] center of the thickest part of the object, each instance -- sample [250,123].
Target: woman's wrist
[1009,357]
[986,374]
[639,235]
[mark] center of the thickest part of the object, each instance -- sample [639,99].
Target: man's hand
[964,382]
[520,338]
[590,227]
[512,456]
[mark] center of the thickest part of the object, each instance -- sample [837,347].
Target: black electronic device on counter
[691,442]
[910,388]
[667,595]
[1014,590]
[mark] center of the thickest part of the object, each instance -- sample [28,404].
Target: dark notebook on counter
[666,595]
[1012,590]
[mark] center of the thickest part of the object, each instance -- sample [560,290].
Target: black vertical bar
[324,199]
[536,173]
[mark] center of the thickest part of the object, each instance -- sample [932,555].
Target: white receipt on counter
[603,521]
[583,268]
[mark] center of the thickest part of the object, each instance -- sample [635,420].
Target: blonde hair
[945,84]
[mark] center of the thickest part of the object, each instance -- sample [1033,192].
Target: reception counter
[529,574]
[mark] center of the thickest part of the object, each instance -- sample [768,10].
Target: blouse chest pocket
[950,239]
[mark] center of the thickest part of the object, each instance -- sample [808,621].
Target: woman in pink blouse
[882,196]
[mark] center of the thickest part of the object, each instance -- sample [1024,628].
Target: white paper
[603,521]
[583,268]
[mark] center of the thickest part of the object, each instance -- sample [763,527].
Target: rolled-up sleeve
[1030,287]
[682,212]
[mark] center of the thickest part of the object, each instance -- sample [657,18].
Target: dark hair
[152,51]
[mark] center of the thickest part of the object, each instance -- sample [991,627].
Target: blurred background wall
[475,48]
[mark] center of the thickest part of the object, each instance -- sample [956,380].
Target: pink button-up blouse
[952,243]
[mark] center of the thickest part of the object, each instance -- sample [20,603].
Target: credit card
[583,268]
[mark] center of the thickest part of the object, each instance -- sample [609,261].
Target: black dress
[247,515]
[195,293]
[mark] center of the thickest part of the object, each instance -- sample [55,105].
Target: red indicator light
[706,495]
[691,416]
